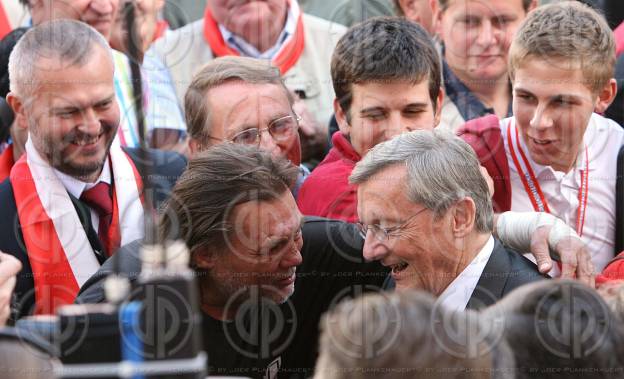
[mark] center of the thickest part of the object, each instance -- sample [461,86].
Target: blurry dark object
[613,10]
[616,109]
[6,46]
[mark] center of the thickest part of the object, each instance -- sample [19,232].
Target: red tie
[100,200]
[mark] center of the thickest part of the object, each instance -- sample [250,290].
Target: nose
[103,6]
[267,143]
[396,125]
[487,33]
[541,119]
[374,250]
[91,121]
[292,258]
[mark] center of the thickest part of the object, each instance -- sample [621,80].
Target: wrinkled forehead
[258,220]
[235,102]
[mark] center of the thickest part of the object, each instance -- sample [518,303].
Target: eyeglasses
[384,234]
[280,129]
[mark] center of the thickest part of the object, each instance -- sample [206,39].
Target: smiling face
[552,107]
[262,251]
[380,111]
[477,35]
[72,122]
[100,14]
[416,252]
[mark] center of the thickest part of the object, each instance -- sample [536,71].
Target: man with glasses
[427,215]
[243,100]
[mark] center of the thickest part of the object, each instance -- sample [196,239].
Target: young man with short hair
[558,156]
[386,75]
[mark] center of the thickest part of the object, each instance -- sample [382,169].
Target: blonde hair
[569,32]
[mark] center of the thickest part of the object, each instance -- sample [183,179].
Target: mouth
[87,141]
[398,268]
[541,142]
[287,280]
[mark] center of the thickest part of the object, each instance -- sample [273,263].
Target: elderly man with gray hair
[426,213]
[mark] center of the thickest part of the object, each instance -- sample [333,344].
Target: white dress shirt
[76,187]
[457,295]
[248,50]
[603,138]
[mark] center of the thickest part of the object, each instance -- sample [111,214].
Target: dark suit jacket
[165,168]
[505,271]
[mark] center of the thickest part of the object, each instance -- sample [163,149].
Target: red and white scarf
[60,255]
[286,57]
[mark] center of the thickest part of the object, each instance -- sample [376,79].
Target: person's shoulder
[603,124]
[331,171]
[180,40]
[319,24]
[175,34]
[159,160]
[521,270]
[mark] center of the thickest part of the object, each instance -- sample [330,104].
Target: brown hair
[216,73]
[571,32]
[215,181]
[384,49]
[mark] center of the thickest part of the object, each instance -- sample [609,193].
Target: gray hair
[68,41]
[441,169]
[407,335]
[218,72]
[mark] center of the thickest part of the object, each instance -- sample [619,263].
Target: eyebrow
[274,240]
[560,96]
[79,108]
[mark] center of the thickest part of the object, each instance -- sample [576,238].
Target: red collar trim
[287,56]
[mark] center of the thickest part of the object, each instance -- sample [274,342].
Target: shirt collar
[248,50]
[467,103]
[76,187]
[457,295]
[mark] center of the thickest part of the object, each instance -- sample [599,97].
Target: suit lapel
[493,280]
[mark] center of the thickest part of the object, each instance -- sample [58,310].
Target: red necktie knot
[99,198]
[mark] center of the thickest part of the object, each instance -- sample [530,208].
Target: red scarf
[53,274]
[285,58]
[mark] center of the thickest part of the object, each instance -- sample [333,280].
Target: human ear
[204,258]
[341,118]
[16,104]
[464,214]
[606,96]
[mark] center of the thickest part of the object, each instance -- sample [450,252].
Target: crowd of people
[418,188]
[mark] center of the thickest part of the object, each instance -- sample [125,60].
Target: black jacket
[505,271]
[165,170]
